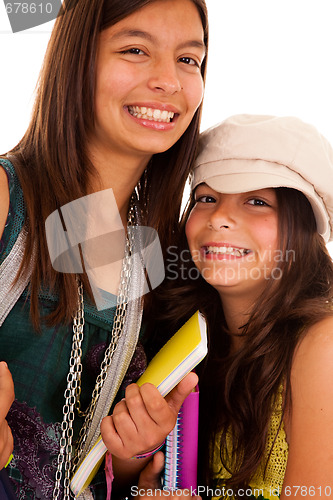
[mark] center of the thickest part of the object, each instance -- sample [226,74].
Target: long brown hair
[51,159]
[236,390]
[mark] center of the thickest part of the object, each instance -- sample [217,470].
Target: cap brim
[261,175]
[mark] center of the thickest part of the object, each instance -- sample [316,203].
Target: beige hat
[249,152]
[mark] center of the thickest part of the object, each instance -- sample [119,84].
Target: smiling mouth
[236,252]
[152,114]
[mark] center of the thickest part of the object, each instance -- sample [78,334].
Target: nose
[164,78]
[223,217]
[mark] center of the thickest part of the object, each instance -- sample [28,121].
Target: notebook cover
[181,447]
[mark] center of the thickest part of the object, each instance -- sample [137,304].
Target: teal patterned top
[39,363]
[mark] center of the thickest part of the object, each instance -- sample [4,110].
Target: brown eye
[205,199]
[258,202]
[134,50]
[189,60]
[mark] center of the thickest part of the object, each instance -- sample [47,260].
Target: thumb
[150,476]
[6,390]
[176,397]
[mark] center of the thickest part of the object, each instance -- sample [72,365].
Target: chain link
[117,328]
[72,394]
[73,389]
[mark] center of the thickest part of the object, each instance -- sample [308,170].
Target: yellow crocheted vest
[266,484]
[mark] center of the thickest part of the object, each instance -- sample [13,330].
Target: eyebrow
[144,34]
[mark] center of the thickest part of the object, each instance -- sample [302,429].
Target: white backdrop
[266,56]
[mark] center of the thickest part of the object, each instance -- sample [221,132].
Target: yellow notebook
[177,357]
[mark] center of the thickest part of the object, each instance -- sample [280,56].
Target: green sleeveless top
[267,482]
[39,364]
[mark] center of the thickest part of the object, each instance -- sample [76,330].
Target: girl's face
[233,239]
[148,79]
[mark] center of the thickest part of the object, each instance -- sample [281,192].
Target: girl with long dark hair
[260,215]
[118,107]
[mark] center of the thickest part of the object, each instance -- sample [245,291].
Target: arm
[310,460]
[6,400]
[6,381]
[4,199]
[139,423]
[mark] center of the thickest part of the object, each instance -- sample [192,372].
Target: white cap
[250,152]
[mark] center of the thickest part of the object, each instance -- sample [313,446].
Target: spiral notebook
[178,356]
[181,447]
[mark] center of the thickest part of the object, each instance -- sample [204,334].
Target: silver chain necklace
[66,458]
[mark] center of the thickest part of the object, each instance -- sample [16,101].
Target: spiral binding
[173,455]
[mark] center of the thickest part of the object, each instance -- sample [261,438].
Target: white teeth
[151,114]
[237,252]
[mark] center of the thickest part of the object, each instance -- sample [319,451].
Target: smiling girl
[263,207]
[117,107]
[260,215]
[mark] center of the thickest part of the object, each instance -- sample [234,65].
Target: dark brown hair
[51,159]
[236,390]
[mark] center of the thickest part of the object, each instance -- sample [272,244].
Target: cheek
[190,230]
[114,82]
[268,232]
[193,229]
[194,91]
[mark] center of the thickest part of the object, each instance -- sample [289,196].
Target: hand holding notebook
[141,421]
[178,357]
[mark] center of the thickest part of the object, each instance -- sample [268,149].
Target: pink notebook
[181,447]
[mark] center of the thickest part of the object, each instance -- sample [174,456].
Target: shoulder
[12,206]
[312,372]
[310,428]
[315,349]
[4,199]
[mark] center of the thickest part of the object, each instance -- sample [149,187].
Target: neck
[236,310]
[119,173]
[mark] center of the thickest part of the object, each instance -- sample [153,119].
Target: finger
[158,409]
[7,395]
[136,406]
[176,397]
[150,476]
[121,436]
[110,436]
[123,421]
[143,409]
[120,407]
[125,425]
[145,405]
